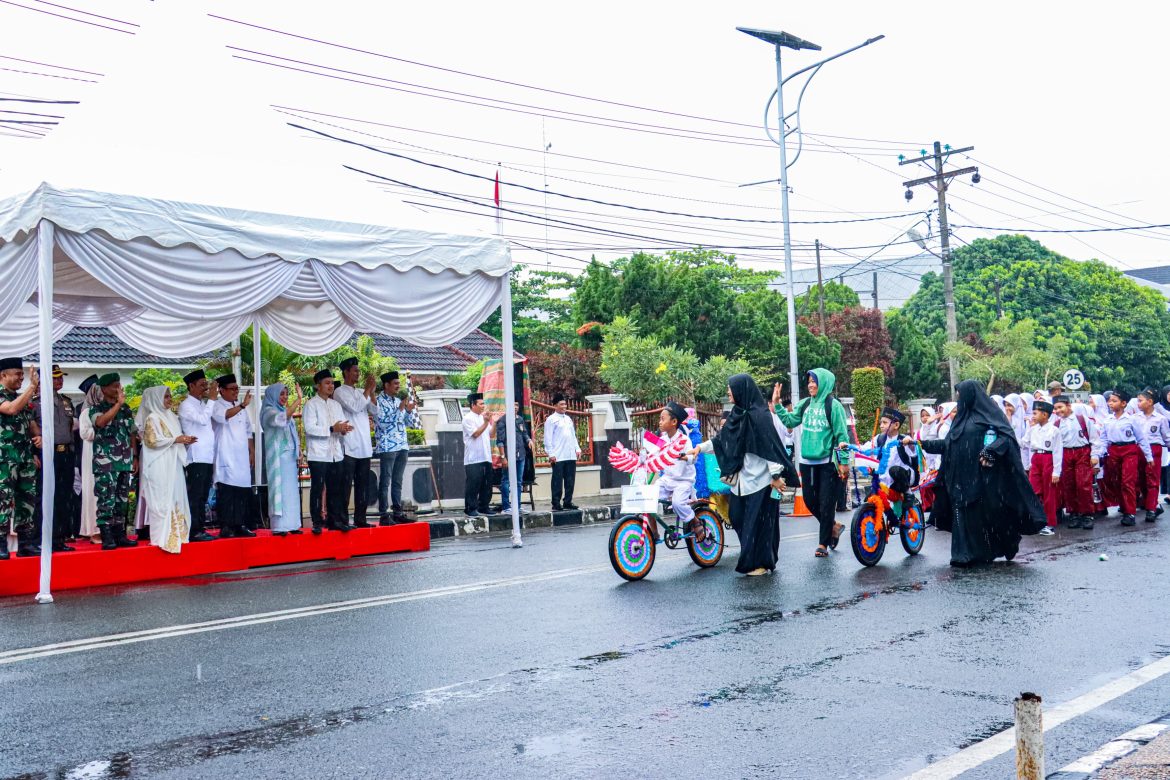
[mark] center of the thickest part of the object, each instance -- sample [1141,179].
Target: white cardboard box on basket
[639,499]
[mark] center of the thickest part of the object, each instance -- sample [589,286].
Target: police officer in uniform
[115,460]
[20,437]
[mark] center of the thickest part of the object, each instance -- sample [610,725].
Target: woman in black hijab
[982,495]
[752,460]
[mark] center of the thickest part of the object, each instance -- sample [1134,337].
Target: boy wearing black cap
[19,440]
[889,450]
[1047,446]
[677,483]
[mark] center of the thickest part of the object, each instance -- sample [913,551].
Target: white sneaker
[1047,531]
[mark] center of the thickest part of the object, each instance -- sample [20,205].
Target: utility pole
[820,288]
[939,182]
[875,300]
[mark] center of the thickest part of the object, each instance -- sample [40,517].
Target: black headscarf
[749,428]
[976,410]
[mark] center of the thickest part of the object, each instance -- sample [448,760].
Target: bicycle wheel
[913,533]
[866,536]
[631,549]
[707,552]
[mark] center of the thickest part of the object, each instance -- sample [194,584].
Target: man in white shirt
[325,425]
[357,445]
[234,456]
[477,457]
[195,417]
[560,442]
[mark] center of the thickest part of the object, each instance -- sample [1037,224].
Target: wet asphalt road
[556,667]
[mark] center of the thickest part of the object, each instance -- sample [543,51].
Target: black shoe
[363,524]
[1101,513]
[471,513]
[556,508]
[62,547]
[385,521]
[120,538]
[571,506]
[1087,523]
[202,536]
[108,542]
[226,533]
[27,550]
[1128,520]
[4,550]
[343,528]
[1159,512]
[280,533]
[144,534]
[297,532]
[317,530]
[245,532]
[1151,516]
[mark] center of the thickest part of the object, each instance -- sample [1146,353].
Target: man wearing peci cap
[325,425]
[19,439]
[477,457]
[64,457]
[560,442]
[394,415]
[357,445]
[115,460]
[195,418]
[234,455]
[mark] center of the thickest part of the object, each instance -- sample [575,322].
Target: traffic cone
[799,508]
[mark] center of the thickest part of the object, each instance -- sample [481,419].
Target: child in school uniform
[1127,443]
[1047,448]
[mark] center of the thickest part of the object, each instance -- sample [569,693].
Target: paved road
[478,660]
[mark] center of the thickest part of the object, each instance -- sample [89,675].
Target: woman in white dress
[88,499]
[162,486]
[281,451]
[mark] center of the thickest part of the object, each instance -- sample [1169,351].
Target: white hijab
[163,494]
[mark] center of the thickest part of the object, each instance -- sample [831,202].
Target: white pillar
[45,242]
[1029,737]
[258,435]
[510,402]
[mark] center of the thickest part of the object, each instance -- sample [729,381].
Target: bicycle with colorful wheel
[634,539]
[884,512]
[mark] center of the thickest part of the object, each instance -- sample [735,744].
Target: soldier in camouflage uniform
[114,461]
[20,436]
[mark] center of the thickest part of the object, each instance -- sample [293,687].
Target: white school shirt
[1126,429]
[1046,438]
[195,417]
[322,443]
[1073,437]
[232,466]
[560,437]
[1157,428]
[682,472]
[357,443]
[476,449]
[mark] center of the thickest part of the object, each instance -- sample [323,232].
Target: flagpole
[509,369]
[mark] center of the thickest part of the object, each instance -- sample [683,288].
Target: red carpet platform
[90,566]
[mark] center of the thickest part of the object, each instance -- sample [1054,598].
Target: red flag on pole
[497,189]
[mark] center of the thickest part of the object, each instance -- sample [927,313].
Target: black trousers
[63,498]
[330,477]
[564,479]
[356,473]
[199,477]
[232,503]
[821,487]
[477,491]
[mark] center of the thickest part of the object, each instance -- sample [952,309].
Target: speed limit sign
[1073,379]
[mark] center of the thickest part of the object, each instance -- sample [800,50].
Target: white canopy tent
[179,231]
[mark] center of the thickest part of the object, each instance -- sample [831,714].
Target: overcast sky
[1068,97]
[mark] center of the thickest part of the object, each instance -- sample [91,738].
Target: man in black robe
[982,494]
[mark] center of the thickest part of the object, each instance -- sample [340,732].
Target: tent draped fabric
[215,271]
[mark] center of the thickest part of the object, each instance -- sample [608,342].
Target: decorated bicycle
[892,506]
[695,522]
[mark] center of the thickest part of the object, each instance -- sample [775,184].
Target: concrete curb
[460,525]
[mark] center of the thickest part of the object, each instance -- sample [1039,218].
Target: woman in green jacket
[824,431]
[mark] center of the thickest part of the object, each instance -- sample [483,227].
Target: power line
[70,18]
[1065,230]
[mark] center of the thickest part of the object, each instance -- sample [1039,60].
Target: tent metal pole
[509,366]
[45,241]
[257,433]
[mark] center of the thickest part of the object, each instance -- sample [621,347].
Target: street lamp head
[916,237]
[778,38]
[976,178]
[909,194]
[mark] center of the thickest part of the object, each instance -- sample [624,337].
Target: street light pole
[779,40]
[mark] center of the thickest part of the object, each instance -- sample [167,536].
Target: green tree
[467,379]
[542,311]
[1116,331]
[1010,357]
[838,297]
[869,395]
[153,377]
[917,361]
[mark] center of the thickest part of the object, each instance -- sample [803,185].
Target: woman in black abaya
[753,461]
[982,495]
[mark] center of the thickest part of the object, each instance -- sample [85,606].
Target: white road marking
[1005,741]
[1115,749]
[131,637]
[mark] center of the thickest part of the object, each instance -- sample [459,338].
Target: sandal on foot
[837,529]
[821,553]
[699,529]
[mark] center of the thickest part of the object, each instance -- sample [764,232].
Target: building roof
[897,279]
[1158,274]
[100,347]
